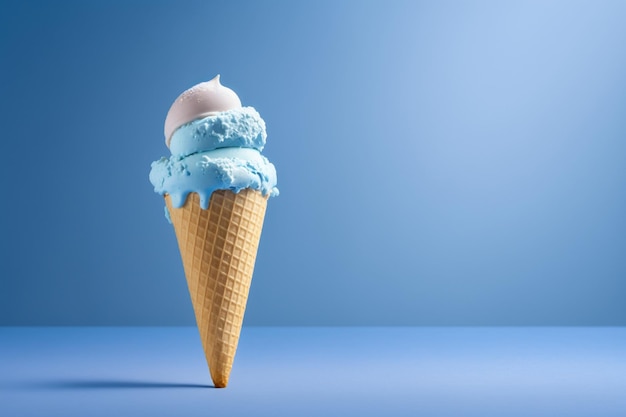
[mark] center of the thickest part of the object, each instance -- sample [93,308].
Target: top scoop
[215,145]
[204,99]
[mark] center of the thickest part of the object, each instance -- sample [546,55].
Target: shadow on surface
[106,384]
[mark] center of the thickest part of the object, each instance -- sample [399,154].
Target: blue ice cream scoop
[215,143]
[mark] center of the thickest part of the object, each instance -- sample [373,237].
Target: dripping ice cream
[215,144]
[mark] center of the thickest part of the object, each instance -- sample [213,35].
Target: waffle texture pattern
[218,247]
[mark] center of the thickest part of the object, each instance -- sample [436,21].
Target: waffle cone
[218,247]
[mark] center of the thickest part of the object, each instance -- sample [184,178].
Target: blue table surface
[299,371]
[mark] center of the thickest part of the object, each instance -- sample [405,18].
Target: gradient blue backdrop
[440,163]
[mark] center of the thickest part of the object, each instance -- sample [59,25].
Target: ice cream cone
[218,247]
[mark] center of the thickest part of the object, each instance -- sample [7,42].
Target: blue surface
[479,147]
[398,371]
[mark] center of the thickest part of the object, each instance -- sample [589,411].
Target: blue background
[440,163]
